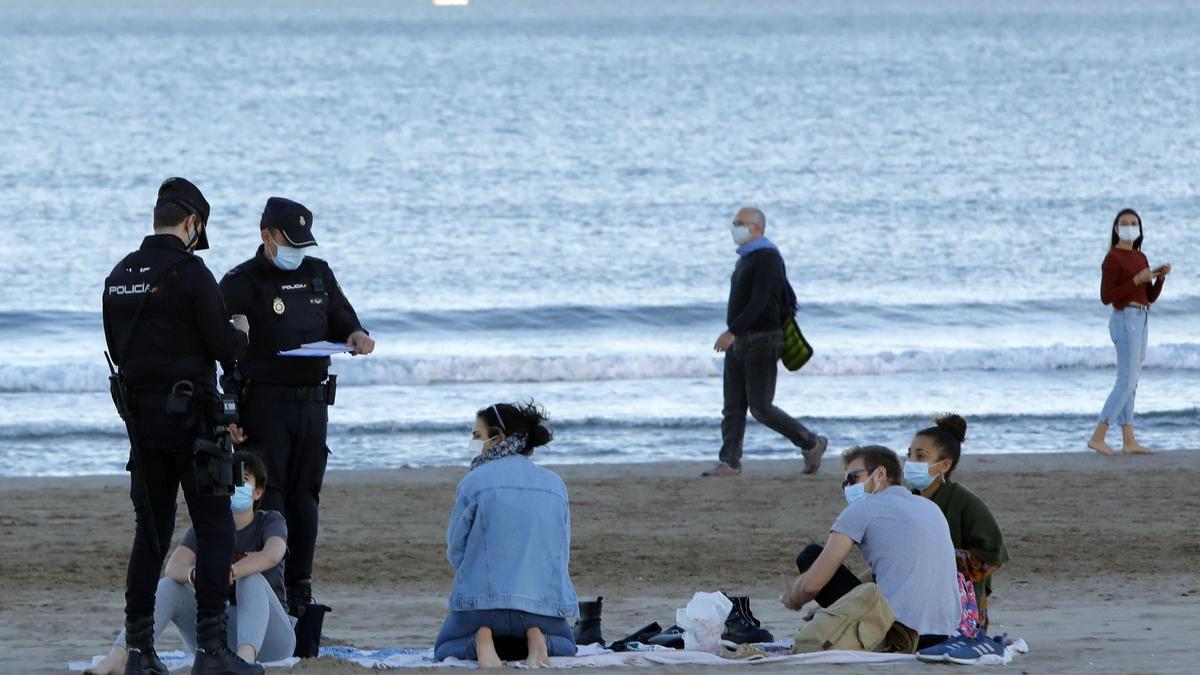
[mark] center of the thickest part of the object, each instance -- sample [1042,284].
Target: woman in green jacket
[978,541]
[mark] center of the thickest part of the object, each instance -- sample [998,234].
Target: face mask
[195,239]
[476,445]
[287,257]
[1128,232]
[855,493]
[242,498]
[740,234]
[916,475]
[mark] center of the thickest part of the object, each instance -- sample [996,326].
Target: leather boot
[587,628]
[741,627]
[212,654]
[299,595]
[139,639]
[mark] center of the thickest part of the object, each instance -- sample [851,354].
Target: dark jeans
[165,450]
[290,437]
[751,368]
[457,636]
[843,582]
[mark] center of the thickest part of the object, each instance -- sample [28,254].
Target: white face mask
[1128,232]
[287,257]
[476,445]
[740,234]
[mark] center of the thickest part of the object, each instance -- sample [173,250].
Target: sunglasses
[850,477]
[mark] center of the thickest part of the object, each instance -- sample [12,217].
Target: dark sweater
[758,293]
[1116,282]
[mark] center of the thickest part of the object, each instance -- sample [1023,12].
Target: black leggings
[843,582]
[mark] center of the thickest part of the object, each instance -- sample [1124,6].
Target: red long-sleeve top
[1116,281]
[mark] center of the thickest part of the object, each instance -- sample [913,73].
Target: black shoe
[741,627]
[641,635]
[139,638]
[212,654]
[587,628]
[671,637]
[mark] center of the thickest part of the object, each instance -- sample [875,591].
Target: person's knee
[808,556]
[252,583]
[761,412]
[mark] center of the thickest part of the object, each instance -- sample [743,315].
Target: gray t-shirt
[906,541]
[252,539]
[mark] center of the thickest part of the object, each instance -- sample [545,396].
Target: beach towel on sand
[395,658]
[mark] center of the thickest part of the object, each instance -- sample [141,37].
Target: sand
[1105,573]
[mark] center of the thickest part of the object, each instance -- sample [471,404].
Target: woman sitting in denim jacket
[509,541]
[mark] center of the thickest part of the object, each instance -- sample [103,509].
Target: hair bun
[955,424]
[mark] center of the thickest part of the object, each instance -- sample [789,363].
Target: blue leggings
[457,637]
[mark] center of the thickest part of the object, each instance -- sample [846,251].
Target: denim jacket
[509,540]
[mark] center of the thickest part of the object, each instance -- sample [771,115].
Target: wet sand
[1105,573]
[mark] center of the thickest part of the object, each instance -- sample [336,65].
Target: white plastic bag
[703,621]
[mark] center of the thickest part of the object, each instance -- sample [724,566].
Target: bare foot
[1137,450]
[247,653]
[1102,447]
[485,649]
[539,656]
[113,664]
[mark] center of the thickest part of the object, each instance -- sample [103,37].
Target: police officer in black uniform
[291,299]
[165,323]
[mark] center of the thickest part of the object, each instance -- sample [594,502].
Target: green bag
[796,350]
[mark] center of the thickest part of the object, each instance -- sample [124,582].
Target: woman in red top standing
[1130,286]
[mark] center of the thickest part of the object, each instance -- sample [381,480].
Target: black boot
[212,654]
[299,595]
[741,627]
[139,638]
[587,628]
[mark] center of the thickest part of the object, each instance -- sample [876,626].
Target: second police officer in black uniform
[165,323]
[291,299]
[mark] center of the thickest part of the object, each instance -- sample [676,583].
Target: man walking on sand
[760,298]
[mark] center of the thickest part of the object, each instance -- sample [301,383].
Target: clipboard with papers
[318,349]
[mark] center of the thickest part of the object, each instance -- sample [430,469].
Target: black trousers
[843,582]
[165,461]
[751,370]
[290,437]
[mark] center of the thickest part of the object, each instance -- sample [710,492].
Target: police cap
[182,192]
[291,218]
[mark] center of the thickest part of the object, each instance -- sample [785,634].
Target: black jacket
[184,326]
[759,294]
[287,309]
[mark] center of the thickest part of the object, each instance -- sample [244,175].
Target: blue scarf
[755,245]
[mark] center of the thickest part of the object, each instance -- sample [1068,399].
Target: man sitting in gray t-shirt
[903,537]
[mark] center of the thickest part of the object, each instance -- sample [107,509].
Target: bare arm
[809,584]
[181,564]
[256,562]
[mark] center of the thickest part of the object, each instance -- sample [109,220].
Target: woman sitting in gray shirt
[258,622]
[905,541]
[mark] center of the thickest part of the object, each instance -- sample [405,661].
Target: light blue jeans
[1129,329]
[457,636]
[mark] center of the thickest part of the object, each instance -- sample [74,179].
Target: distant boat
[451,3]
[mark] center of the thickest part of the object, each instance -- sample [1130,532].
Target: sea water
[532,199]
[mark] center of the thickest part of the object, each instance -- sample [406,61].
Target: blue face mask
[287,258]
[740,234]
[855,493]
[242,498]
[916,475]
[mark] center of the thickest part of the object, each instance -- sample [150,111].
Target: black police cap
[182,192]
[291,218]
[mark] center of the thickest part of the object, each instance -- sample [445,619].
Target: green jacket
[972,528]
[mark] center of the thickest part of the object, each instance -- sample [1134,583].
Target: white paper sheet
[318,349]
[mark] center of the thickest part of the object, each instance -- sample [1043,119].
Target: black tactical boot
[299,595]
[587,628]
[212,654]
[139,638]
[741,627]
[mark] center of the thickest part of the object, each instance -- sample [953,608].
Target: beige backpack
[858,621]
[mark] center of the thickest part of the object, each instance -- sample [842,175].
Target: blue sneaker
[981,651]
[937,653]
